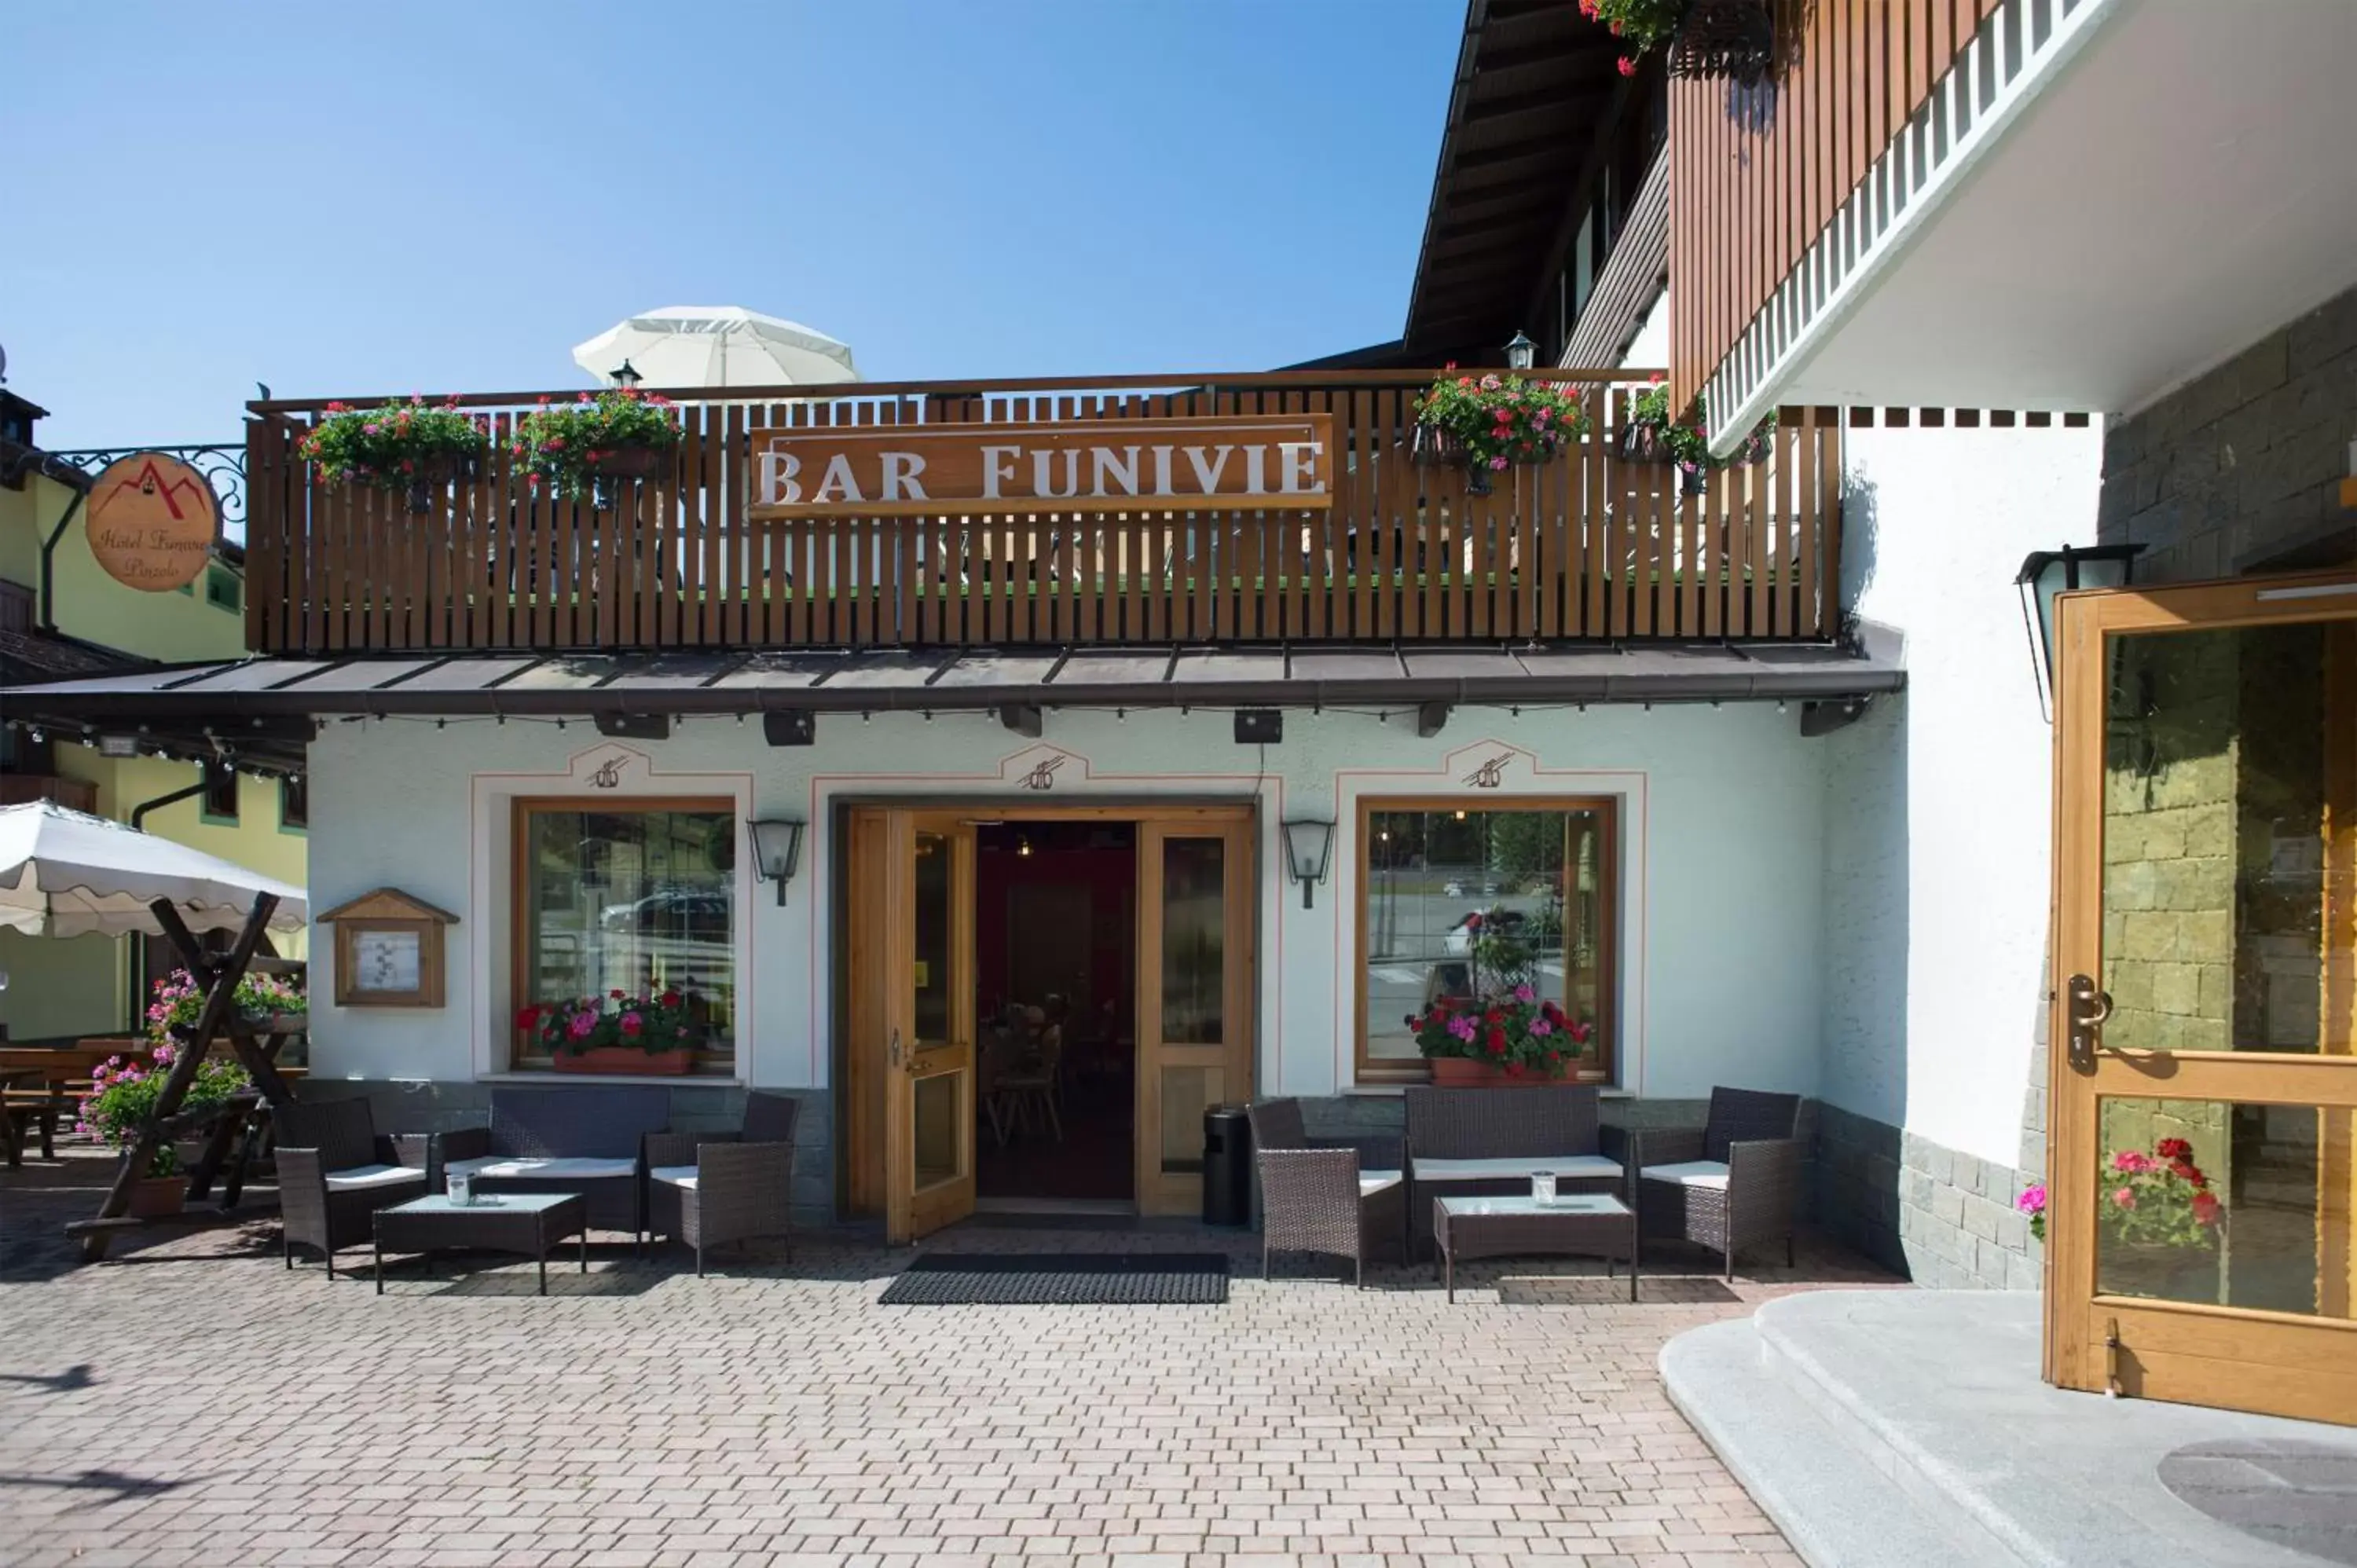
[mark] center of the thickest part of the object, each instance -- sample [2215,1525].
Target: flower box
[629,462]
[2157,1270]
[627,1059]
[1464,1072]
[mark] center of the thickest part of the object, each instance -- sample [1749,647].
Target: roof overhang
[1535,78]
[233,699]
[2086,215]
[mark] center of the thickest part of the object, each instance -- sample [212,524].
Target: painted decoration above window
[1272,461]
[151,520]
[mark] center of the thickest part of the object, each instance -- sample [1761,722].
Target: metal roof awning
[265,692]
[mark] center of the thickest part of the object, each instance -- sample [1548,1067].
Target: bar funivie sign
[1243,462]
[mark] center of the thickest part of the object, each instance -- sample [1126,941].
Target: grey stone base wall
[1942,1218]
[420,1106]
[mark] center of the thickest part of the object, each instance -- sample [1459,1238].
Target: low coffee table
[1586,1223]
[525,1222]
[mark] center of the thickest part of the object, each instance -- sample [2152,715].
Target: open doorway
[1056,978]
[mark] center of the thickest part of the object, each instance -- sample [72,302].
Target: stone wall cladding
[421,1106]
[2240,471]
[1944,1218]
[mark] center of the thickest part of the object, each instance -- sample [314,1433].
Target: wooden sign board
[387,950]
[1276,462]
[151,520]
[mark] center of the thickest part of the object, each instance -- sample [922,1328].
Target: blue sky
[437,196]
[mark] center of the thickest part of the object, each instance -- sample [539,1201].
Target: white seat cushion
[675,1175]
[494,1166]
[1689,1173]
[1374,1182]
[1566,1168]
[357,1177]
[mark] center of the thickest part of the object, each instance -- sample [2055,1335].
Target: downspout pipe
[48,559]
[138,818]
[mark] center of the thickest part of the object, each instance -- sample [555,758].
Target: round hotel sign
[152,521]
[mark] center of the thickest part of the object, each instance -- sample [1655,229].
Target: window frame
[708,1064]
[294,787]
[219,775]
[1391,1073]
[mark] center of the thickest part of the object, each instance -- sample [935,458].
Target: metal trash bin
[1227,1165]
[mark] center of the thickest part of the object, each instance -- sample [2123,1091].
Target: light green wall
[93,607]
[61,986]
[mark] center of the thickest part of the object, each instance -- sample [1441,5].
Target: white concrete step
[1833,1505]
[1926,1423]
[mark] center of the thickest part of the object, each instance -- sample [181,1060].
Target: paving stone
[772,1414]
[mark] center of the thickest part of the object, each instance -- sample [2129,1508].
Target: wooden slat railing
[1587,546]
[1758,172]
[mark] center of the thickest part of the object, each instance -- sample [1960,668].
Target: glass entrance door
[1195,996]
[2202,1170]
[929,1022]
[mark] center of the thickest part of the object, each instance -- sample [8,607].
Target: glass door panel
[928,1068]
[2201,1201]
[1194,1027]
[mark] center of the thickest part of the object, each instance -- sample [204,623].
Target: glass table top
[1523,1203]
[485,1202]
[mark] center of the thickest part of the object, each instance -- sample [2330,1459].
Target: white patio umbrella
[66,874]
[716,346]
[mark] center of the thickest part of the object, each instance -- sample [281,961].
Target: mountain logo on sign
[148,482]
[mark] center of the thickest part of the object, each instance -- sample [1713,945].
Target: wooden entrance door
[2202,1170]
[1195,993]
[912,897]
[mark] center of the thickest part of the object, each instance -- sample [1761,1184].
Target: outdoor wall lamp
[777,852]
[1521,353]
[1308,846]
[628,376]
[2046,573]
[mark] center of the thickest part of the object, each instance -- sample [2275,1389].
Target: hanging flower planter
[1489,423]
[587,446]
[1651,435]
[414,447]
[1735,38]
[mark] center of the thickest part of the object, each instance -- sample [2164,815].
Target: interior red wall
[1109,874]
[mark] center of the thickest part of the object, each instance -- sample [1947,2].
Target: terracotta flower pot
[1464,1072]
[626,1059]
[158,1196]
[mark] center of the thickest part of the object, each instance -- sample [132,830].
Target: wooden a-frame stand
[219,1016]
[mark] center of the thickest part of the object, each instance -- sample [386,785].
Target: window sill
[591,1080]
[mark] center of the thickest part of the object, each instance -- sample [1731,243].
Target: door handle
[895,1057]
[2086,1011]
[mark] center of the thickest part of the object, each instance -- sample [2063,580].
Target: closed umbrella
[66,874]
[716,346]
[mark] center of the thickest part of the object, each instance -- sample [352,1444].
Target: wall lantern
[628,376]
[1308,846]
[2046,573]
[777,852]
[1521,353]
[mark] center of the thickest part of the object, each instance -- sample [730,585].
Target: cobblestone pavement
[189,1401]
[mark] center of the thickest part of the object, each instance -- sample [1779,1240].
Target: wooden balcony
[1588,546]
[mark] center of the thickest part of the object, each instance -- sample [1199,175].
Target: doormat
[1062,1279]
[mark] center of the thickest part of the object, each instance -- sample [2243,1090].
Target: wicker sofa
[1466,1142]
[335,1171]
[584,1139]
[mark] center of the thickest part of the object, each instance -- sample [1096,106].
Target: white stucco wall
[1722,819]
[1937,868]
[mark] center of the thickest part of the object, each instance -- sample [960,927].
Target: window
[222,588]
[295,803]
[221,793]
[637,898]
[1461,900]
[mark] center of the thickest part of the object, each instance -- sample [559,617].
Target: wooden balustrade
[1589,545]
[1757,173]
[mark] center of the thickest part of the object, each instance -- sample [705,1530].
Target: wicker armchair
[1469,1142]
[1732,1184]
[1345,1197]
[581,1139]
[333,1178]
[711,1188]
